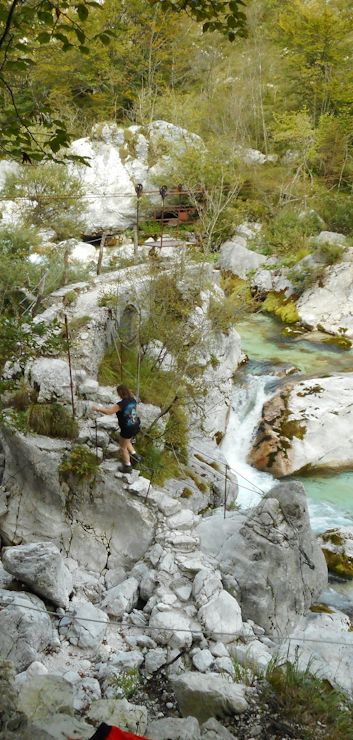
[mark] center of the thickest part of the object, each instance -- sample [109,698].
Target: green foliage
[176,432]
[108,299]
[329,253]
[158,465]
[81,464]
[52,420]
[119,365]
[337,211]
[305,276]
[25,28]
[309,700]
[52,196]
[125,684]
[285,309]
[285,233]
[226,17]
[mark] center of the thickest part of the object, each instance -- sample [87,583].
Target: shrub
[329,253]
[176,432]
[305,276]
[337,212]
[52,420]
[81,464]
[285,233]
[41,185]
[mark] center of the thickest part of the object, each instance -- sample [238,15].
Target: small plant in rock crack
[125,684]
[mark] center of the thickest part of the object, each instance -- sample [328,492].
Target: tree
[29,129]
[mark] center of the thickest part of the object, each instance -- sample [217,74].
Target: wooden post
[225,492]
[100,256]
[163,192]
[70,368]
[136,239]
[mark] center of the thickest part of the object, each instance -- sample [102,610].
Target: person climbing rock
[129,424]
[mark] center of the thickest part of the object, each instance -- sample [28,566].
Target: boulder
[120,713]
[61,727]
[43,695]
[221,618]
[173,728]
[271,556]
[337,546]
[171,627]
[235,257]
[254,656]
[213,730]
[121,598]
[25,628]
[306,425]
[51,377]
[41,567]
[208,695]
[329,306]
[322,644]
[330,237]
[85,627]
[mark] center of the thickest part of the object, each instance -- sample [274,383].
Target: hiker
[129,424]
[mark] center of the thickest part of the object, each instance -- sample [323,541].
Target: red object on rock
[105,732]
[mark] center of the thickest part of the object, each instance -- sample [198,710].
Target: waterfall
[247,402]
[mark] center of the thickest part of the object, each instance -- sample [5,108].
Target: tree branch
[8,21]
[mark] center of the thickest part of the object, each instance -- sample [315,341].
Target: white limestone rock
[171,627]
[174,728]
[41,567]
[207,584]
[306,424]
[85,634]
[255,656]
[52,377]
[330,304]
[221,617]
[154,659]
[213,730]
[121,598]
[330,237]
[120,713]
[42,695]
[238,259]
[25,628]
[272,557]
[202,660]
[224,665]
[208,695]
[63,726]
[323,645]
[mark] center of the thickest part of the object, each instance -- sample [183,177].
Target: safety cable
[146,627]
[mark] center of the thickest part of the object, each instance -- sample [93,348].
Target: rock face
[25,628]
[119,159]
[269,557]
[41,567]
[330,306]
[306,424]
[37,508]
[238,259]
[337,546]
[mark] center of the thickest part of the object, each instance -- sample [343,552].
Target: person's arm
[111,410]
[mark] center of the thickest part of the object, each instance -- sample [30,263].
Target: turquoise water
[330,496]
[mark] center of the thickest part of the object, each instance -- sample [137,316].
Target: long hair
[124,392]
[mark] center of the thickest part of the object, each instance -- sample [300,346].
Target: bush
[41,185]
[81,464]
[286,233]
[176,432]
[329,253]
[52,420]
[337,212]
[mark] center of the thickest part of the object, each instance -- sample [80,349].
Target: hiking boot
[135,458]
[125,468]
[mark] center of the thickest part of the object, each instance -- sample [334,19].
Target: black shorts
[127,435]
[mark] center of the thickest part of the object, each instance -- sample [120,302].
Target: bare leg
[130,446]
[124,446]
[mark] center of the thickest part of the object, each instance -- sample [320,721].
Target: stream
[330,496]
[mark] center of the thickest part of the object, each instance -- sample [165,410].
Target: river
[270,351]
